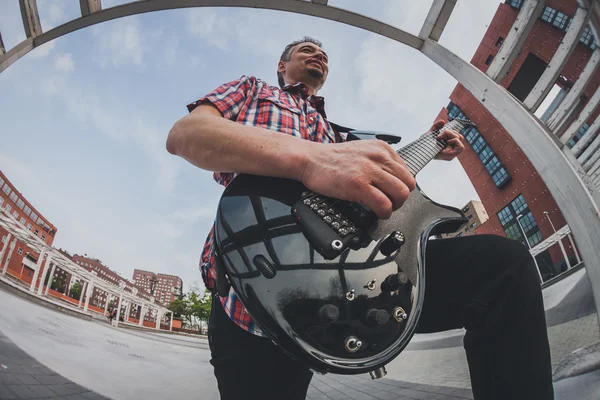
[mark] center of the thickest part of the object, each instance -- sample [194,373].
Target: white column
[10,251]
[515,39]
[38,266]
[50,279]
[108,298]
[158,318]
[591,155]
[119,309]
[171,324]
[574,248]
[558,61]
[562,113]
[583,116]
[142,313]
[127,311]
[5,246]
[89,291]
[83,289]
[585,140]
[45,270]
[436,19]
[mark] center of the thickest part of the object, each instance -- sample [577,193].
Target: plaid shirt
[251,101]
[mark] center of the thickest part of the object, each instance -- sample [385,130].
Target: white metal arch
[552,160]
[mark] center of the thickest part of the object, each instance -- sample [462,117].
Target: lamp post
[562,248]
[529,246]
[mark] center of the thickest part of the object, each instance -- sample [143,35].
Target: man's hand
[369,172]
[453,138]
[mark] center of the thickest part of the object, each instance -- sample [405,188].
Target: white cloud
[43,50]
[120,42]
[64,62]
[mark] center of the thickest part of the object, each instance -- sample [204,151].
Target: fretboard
[419,153]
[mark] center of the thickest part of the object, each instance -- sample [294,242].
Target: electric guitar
[325,279]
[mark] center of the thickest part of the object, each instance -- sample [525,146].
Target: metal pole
[562,248]
[529,246]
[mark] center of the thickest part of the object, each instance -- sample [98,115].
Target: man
[487,284]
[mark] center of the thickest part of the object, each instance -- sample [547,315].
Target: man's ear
[281,67]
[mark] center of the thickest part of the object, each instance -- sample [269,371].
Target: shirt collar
[317,102]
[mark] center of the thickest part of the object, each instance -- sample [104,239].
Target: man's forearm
[216,144]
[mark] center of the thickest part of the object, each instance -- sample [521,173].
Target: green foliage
[192,307]
[76,291]
[58,284]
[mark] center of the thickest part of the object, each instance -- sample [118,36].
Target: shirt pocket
[277,115]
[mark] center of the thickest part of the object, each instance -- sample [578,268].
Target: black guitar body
[343,303]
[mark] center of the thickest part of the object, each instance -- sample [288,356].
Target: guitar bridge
[332,225]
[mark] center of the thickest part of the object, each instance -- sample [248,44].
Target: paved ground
[78,359]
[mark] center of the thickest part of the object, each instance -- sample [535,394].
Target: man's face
[307,64]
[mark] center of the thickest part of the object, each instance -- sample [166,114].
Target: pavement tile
[6,393]
[22,391]
[67,389]
[41,391]
[6,377]
[51,379]
[26,379]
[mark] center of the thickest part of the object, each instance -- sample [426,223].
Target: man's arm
[207,140]
[369,172]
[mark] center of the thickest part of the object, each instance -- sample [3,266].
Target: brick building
[22,257]
[98,297]
[509,187]
[165,288]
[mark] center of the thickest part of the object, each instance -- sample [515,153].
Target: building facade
[165,288]
[476,215]
[516,199]
[22,259]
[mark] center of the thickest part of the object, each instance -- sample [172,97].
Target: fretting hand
[453,138]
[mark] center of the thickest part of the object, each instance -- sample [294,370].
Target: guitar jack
[337,244]
[352,344]
[399,314]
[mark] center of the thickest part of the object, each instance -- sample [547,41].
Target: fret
[419,153]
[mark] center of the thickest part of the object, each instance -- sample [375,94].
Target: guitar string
[433,144]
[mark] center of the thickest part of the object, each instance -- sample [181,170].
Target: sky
[85,117]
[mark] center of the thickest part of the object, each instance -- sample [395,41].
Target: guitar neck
[419,153]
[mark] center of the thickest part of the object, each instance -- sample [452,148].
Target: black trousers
[487,284]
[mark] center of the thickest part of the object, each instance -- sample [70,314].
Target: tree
[76,291]
[178,306]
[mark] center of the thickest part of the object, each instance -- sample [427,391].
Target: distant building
[476,214]
[22,258]
[165,288]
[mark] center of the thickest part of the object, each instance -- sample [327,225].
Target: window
[1,201]
[6,188]
[28,226]
[584,128]
[27,210]
[1,181]
[548,14]
[560,21]
[499,41]
[16,214]
[556,18]
[13,196]
[4,239]
[473,224]
[587,38]
[43,237]
[33,216]
[488,60]
[35,232]
[20,251]
[470,216]
[20,204]
[22,221]
[501,177]
[508,218]
[515,3]
[8,208]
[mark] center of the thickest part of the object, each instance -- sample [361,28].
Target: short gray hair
[287,54]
